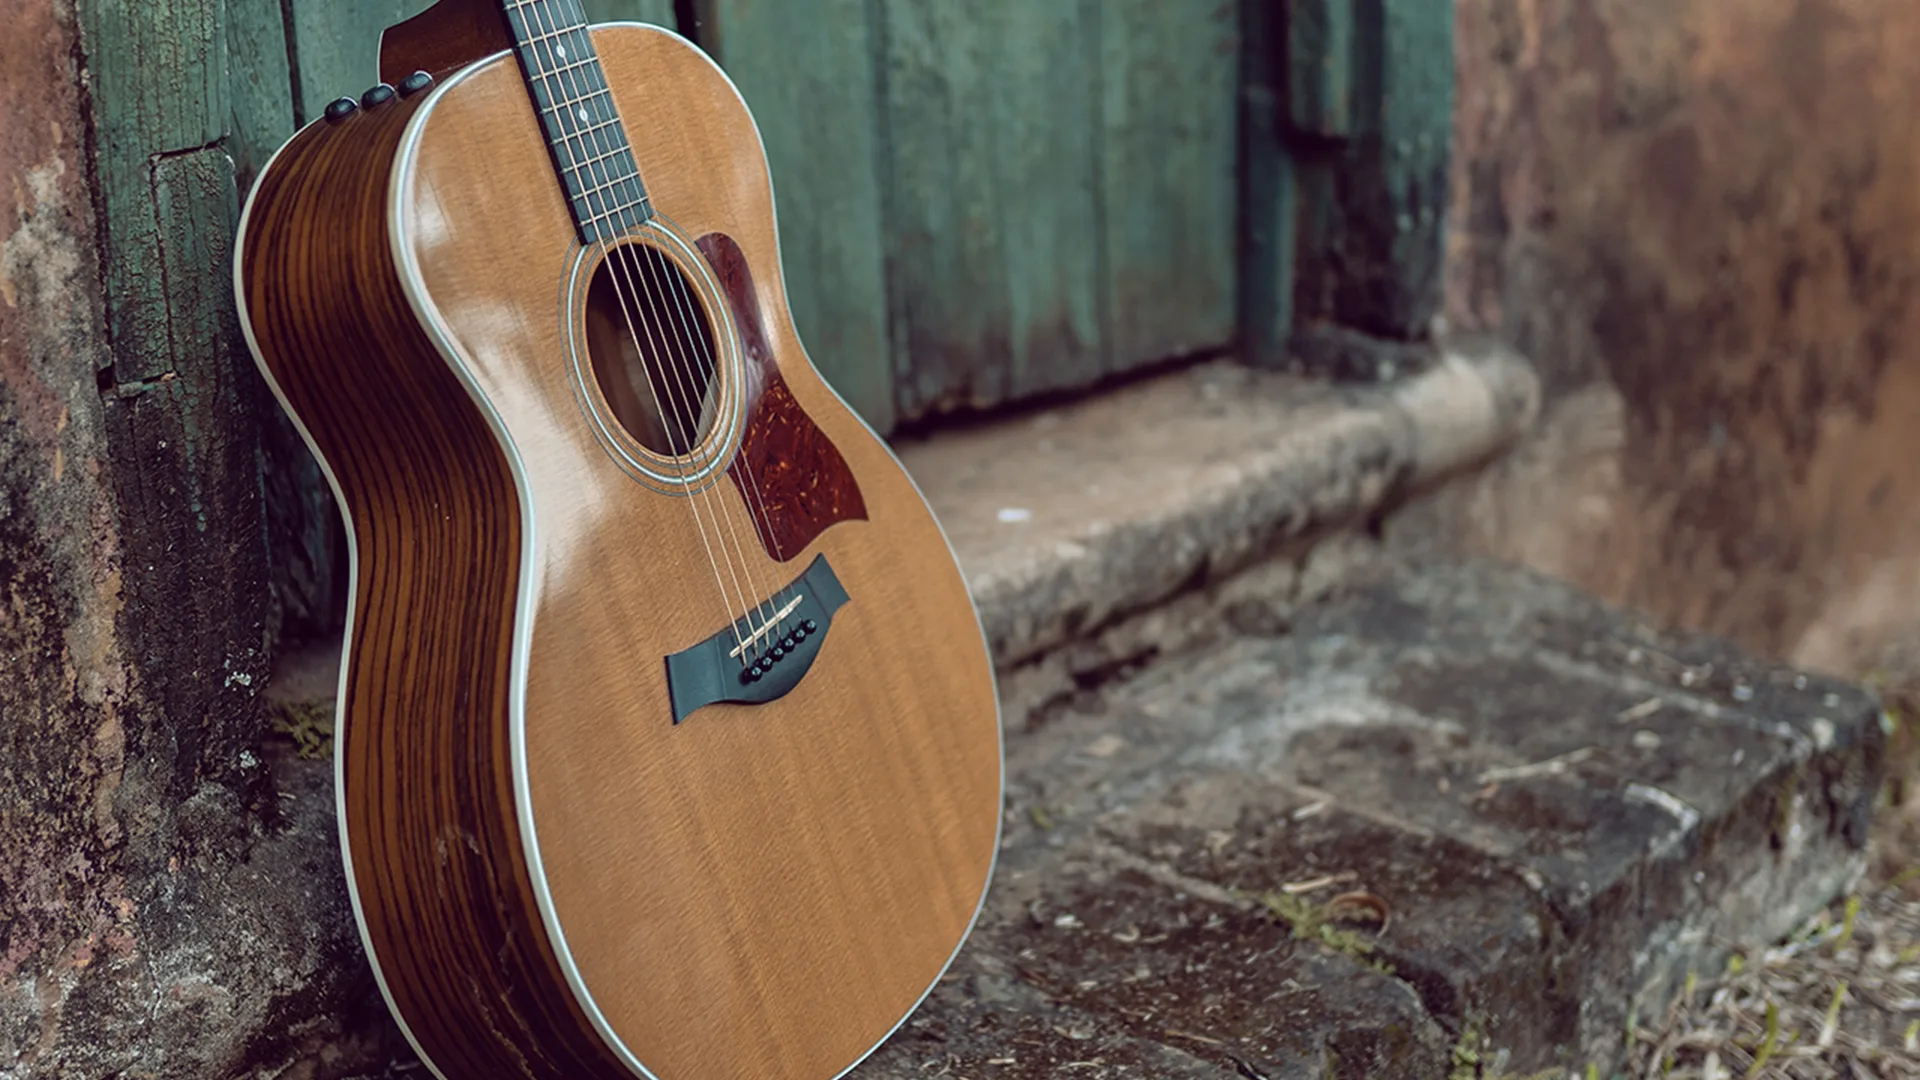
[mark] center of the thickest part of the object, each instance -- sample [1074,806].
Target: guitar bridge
[763,655]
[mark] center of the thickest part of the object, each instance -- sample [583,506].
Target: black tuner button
[787,642]
[810,626]
[340,108]
[379,94]
[415,83]
[799,633]
[747,675]
[778,652]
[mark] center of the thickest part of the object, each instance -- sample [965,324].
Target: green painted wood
[1319,63]
[181,403]
[1268,196]
[259,84]
[1416,145]
[1170,80]
[990,117]
[807,71]
[336,47]
[1373,207]
[197,212]
[658,12]
[159,75]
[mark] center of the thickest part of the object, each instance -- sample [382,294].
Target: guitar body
[570,857]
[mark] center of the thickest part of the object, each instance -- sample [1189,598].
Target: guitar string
[660,268]
[688,345]
[686,306]
[699,352]
[682,387]
[531,45]
[693,350]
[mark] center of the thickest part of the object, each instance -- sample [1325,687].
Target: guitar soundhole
[652,349]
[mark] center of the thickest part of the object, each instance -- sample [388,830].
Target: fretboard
[569,89]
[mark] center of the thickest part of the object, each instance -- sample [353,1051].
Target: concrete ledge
[1070,518]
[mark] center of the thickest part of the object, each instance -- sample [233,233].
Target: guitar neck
[569,91]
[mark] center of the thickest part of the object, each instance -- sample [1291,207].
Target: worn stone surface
[1449,739]
[1067,519]
[169,894]
[1696,217]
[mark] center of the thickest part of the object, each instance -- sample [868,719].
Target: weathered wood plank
[1169,72]
[1372,225]
[306,540]
[658,12]
[181,403]
[197,211]
[1416,144]
[995,257]
[1320,43]
[1268,196]
[159,74]
[259,84]
[336,47]
[807,71]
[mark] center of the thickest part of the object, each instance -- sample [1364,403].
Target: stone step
[1558,812]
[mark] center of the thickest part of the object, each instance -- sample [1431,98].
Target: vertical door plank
[1170,80]
[1416,143]
[1268,193]
[259,85]
[807,72]
[181,405]
[996,254]
[336,47]
[159,73]
[1373,206]
[658,12]
[1320,36]
[197,212]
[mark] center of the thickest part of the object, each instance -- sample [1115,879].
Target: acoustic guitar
[667,743]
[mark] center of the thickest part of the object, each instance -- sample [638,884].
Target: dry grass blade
[1835,1000]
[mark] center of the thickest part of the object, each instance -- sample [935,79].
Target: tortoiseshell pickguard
[792,478]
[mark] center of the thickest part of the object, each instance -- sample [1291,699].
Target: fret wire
[581,144]
[602,157]
[556,107]
[569,66]
[601,126]
[627,200]
[548,56]
[550,73]
[612,182]
[597,164]
[611,167]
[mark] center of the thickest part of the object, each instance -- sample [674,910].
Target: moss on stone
[308,723]
[1312,922]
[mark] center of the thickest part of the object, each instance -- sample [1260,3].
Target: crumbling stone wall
[169,881]
[1701,219]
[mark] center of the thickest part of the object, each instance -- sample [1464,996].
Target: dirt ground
[1841,997]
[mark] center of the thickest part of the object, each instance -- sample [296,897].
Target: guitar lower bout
[668,742]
